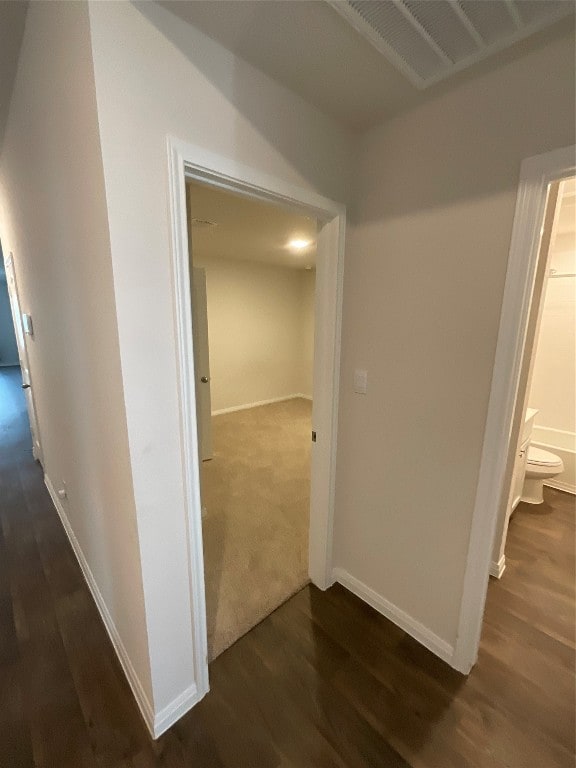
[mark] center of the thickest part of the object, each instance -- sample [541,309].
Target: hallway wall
[53,219]
[425,267]
[153,72]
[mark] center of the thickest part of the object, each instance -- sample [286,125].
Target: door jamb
[23,358]
[536,174]
[190,161]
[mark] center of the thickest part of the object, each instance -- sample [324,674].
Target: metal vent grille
[429,40]
[388,21]
[492,27]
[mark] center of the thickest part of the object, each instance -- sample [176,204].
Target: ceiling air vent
[429,40]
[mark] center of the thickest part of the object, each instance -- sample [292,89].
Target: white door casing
[193,162]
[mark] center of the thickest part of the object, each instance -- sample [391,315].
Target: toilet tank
[528,424]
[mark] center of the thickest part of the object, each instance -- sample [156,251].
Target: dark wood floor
[323,682]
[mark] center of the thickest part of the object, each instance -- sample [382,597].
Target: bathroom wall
[553,386]
[261,331]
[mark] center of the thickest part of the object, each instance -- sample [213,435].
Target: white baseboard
[137,689]
[247,406]
[497,568]
[411,626]
[156,723]
[561,486]
[174,711]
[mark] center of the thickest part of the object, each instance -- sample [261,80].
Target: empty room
[253,284]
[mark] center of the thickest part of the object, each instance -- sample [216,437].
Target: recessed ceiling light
[299,245]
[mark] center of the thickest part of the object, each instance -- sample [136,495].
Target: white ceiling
[248,229]
[310,48]
[12,18]
[304,44]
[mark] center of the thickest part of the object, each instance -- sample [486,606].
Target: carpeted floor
[256,491]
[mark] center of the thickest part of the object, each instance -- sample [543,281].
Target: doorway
[8,345]
[189,163]
[23,330]
[252,267]
[542,452]
[539,178]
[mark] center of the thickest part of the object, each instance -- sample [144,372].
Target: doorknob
[25,386]
[204,379]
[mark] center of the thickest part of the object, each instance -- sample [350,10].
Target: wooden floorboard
[323,682]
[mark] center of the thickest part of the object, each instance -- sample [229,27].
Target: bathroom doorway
[543,455]
[538,190]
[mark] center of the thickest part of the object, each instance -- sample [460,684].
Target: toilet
[540,466]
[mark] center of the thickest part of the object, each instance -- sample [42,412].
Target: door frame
[24,360]
[536,175]
[188,161]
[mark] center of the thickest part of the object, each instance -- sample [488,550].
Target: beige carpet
[256,491]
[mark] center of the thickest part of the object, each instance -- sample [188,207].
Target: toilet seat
[541,458]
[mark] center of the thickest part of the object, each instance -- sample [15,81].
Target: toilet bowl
[540,466]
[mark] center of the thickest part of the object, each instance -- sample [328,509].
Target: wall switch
[360,381]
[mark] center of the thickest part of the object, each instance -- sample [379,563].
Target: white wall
[553,386]
[156,76]
[53,218]
[259,332]
[425,268]
[8,346]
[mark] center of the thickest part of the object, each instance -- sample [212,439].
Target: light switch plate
[360,381]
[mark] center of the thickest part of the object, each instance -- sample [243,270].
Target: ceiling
[12,19]
[305,45]
[313,50]
[248,229]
